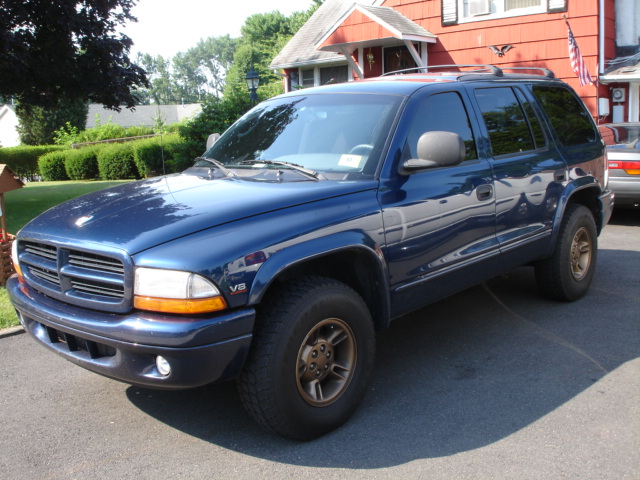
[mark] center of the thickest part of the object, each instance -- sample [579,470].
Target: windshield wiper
[218,164]
[293,166]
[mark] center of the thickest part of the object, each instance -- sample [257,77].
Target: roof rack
[477,68]
[497,71]
[544,71]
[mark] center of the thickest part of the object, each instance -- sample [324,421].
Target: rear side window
[508,128]
[569,118]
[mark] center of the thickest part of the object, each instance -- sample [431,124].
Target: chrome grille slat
[98,289]
[44,251]
[47,275]
[96,262]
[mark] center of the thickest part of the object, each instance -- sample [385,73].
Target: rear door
[529,174]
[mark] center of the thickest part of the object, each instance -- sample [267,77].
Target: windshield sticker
[352,161]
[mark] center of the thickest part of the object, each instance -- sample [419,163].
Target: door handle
[484,192]
[560,175]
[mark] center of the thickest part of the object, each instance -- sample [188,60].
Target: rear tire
[567,274]
[311,358]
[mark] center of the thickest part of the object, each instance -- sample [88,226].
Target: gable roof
[301,49]
[141,115]
[376,26]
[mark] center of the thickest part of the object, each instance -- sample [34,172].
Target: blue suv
[311,223]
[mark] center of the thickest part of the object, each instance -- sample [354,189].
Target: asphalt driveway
[495,382]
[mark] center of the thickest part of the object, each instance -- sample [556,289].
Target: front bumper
[200,350]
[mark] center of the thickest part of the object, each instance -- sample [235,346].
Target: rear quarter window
[568,116]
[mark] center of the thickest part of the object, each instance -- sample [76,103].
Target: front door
[440,219]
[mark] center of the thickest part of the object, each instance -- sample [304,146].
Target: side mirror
[436,149]
[213,138]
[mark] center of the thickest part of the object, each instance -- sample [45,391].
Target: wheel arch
[358,265]
[585,193]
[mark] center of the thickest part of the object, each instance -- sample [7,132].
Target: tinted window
[441,112]
[569,118]
[534,123]
[504,118]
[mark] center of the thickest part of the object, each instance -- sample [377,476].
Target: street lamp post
[253,80]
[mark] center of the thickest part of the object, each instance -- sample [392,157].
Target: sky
[166,27]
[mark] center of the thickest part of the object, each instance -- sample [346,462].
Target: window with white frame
[312,77]
[308,77]
[461,11]
[500,8]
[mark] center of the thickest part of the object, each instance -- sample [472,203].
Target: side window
[569,118]
[534,123]
[441,112]
[506,123]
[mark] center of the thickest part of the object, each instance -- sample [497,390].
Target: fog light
[163,366]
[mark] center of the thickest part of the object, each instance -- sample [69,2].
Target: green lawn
[28,202]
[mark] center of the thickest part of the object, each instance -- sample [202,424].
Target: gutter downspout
[601,37]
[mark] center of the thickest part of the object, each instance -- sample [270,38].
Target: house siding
[538,40]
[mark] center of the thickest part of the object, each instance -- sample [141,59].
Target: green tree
[39,125]
[263,36]
[67,50]
[160,89]
[190,76]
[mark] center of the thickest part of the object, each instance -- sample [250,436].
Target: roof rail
[544,71]
[477,68]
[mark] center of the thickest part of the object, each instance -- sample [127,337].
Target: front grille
[83,278]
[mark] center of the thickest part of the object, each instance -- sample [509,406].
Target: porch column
[354,66]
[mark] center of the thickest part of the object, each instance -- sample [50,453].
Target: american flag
[577,62]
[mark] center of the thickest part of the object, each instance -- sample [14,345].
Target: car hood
[140,215]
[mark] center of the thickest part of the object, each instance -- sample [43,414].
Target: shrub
[115,162]
[51,166]
[158,155]
[101,132]
[23,161]
[138,131]
[82,164]
[183,155]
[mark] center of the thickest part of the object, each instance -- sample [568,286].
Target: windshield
[309,137]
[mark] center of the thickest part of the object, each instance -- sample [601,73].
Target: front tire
[311,358]
[567,274]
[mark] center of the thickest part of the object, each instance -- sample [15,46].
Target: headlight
[14,257]
[174,291]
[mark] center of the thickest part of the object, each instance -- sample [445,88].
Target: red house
[346,40]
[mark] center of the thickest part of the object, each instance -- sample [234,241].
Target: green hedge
[82,164]
[115,162]
[23,161]
[109,161]
[158,155]
[51,166]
